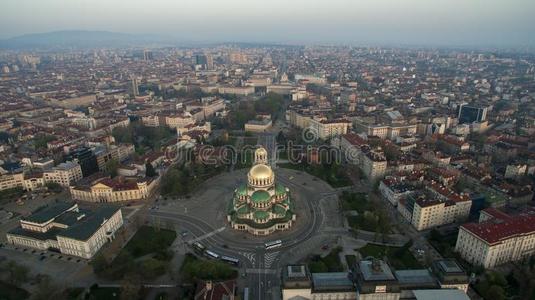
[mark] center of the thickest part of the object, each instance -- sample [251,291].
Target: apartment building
[66,228]
[64,174]
[11,181]
[497,238]
[329,128]
[392,190]
[356,150]
[113,152]
[205,107]
[427,209]
[390,132]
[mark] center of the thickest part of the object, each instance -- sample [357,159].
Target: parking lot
[63,268]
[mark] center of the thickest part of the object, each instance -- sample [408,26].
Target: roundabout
[203,218]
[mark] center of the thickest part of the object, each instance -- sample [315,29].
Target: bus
[198,247]
[211,254]
[274,244]
[230,260]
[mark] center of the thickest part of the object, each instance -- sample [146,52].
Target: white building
[435,207]
[66,228]
[356,151]
[498,238]
[64,174]
[114,190]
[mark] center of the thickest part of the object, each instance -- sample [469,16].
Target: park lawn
[244,159]
[104,293]
[10,195]
[333,176]
[11,292]
[355,201]
[399,257]
[361,223]
[330,263]
[444,243]
[194,268]
[351,260]
[74,293]
[149,240]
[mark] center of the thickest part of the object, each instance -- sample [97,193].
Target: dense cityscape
[266,171]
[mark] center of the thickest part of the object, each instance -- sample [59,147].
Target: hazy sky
[444,22]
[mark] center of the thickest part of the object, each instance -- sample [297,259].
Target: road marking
[249,255]
[132,213]
[207,235]
[260,271]
[269,258]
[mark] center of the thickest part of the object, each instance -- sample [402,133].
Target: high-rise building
[86,159]
[147,55]
[201,59]
[209,62]
[470,114]
[135,87]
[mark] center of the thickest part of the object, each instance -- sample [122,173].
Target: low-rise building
[497,238]
[433,207]
[329,128]
[356,151]
[114,190]
[374,279]
[64,174]
[258,125]
[393,190]
[11,181]
[66,228]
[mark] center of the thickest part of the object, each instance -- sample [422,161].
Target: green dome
[243,210]
[279,210]
[242,190]
[260,197]
[280,189]
[261,215]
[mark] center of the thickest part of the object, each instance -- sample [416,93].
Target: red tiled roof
[503,228]
[354,139]
[215,290]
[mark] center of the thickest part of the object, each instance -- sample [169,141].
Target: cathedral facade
[261,207]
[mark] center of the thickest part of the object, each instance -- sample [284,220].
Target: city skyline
[412,22]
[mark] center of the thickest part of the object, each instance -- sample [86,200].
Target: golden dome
[260,151]
[260,171]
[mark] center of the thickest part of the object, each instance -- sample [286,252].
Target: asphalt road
[261,266]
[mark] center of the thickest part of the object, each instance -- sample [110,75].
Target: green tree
[47,289]
[111,166]
[149,170]
[99,264]
[495,292]
[17,273]
[130,287]
[54,187]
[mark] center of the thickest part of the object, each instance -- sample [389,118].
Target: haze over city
[407,22]
[267,150]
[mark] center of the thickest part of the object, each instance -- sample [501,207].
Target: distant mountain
[79,39]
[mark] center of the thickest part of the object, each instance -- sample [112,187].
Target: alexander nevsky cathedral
[261,207]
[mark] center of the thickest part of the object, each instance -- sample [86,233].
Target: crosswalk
[260,271]
[250,256]
[209,234]
[269,258]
